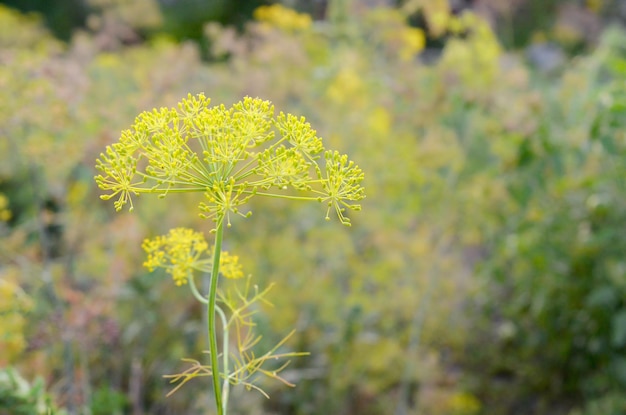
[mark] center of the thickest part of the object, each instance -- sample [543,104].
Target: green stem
[215,370]
[225,352]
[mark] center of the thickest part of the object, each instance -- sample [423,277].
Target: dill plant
[229,155]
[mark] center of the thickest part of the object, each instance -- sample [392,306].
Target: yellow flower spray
[229,155]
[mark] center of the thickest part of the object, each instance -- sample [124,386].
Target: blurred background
[485,274]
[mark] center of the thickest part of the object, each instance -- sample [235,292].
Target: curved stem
[194,290]
[215,370]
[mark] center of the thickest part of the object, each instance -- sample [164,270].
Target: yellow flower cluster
[345,180]
[228,154]
[183,251]
[282,17]
[179,252]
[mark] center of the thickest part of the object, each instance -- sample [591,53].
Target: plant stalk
[226,384]
[215,370]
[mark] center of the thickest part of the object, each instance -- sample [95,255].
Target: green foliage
[556,263]
[19,397]
[107,401]
[610,404]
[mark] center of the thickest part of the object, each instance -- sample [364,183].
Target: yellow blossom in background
[282,17]
[24,31]
[108,61]
[474,58]
[437,14]
[413,42]
[13,304]
[5,213]
[464,404]
[567,34]
[439,148]
[346,85]
[379,121]
[76,194]
[230,266]
[390,27]
[595,5]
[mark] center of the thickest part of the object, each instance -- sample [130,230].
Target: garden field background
[485,273]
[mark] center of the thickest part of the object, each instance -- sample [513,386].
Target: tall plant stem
[225,335]
[215,370]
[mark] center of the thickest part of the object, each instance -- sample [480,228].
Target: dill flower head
[183,251]
[179,252]
[230,155]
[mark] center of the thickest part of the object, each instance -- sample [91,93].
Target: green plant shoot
[229,155]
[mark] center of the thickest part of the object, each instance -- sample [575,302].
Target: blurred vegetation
[485,275]
[182,19]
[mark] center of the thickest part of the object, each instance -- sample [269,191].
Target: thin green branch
[194,290]
[278,196]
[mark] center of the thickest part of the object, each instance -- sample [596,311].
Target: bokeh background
[486,273]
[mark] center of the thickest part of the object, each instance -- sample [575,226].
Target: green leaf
[602,296]
[619,331]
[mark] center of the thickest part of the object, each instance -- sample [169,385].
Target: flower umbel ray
[119,179]
[342,185]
